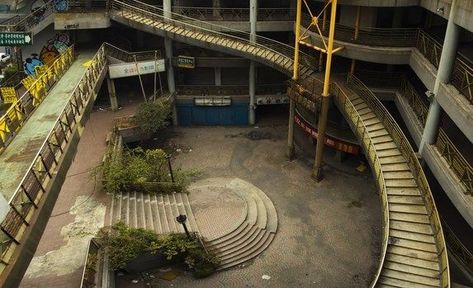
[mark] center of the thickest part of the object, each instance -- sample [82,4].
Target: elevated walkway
[413,249]
[18,156]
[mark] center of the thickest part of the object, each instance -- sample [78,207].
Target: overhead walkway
[413,248]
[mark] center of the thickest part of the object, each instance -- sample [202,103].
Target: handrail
[32,188]
[228,89]
[455,160]
[193,24]
[121,54]
[235,14]
[27,22]
[417,171]
[393,37]
[19,112]
[367,143]
[457,249]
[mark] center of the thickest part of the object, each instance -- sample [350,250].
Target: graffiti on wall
[53,48]
[61,5]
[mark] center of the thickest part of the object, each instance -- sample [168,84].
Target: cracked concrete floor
[329,233]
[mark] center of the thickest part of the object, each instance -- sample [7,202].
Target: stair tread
[434,282]
[413,261]
[415,218]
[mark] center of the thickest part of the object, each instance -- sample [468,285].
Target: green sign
[185,62]
[15,38]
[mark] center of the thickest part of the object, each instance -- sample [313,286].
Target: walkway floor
[17,158]
[79,212]
[328,233]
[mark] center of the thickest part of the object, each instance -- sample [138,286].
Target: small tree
[152,116]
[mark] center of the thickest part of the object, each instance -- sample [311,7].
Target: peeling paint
[89,218]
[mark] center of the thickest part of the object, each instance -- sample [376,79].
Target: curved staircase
[254,230]
[413,248]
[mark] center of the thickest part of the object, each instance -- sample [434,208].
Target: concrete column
[218,76]
[252,86]
[167,7]
[216,5]
[112,94]
[447,60]
[252,74]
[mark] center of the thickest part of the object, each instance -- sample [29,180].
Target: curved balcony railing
[261,89]
[235,14]
[28,22]
[32,189]
[388,37]
[406,149]
[457,249]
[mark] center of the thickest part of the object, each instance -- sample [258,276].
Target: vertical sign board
[15,38]
[185,62]
[132,69]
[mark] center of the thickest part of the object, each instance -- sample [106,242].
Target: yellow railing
[38,88]
[357,124]
[417,171]
[32,189]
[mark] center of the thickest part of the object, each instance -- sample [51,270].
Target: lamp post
[182,220]
[168,157]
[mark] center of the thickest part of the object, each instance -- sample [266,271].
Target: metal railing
[416,169]
[32,188]
[31,20]
[462,78]
[261,89]
[20,111]
[416,102]
[126,56]
[356,122]
[391,37]
[267,49]
[456,162]
[235,14]
[429,47]
[80,6]
[457,249]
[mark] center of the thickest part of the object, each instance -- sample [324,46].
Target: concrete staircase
[252,236]
[153,212]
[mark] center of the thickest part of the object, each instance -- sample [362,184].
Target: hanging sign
[185,62]
[8,94]
[15,38]
[132,69]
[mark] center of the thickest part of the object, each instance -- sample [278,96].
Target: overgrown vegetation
[153,115]
[143,170]
[124,244]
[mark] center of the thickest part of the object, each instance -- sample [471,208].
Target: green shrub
[152,116]
[125,244]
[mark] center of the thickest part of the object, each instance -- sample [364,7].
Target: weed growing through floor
[123,244]
[152,116]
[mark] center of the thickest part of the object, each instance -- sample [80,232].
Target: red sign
[329,141]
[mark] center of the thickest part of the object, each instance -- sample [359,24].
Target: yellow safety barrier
[37,90]
[8,94]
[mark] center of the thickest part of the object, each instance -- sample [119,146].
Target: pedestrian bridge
[413,249]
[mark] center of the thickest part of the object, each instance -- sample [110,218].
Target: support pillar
[447,61]
[252,90]
[169,68]
[216,8]
[252,72]
[218,76]
[295,77]
[324,27]
[112,94]
[317,172]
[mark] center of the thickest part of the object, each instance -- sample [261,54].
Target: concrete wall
[39,40]
[74,21]
[368,16]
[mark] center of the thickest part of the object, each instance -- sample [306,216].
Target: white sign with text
[131,69]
